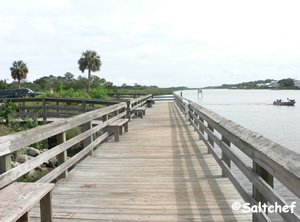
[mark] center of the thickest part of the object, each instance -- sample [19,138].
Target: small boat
[289,102]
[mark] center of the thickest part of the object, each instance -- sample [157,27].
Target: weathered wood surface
[159,171]
[270,160]
[18,198]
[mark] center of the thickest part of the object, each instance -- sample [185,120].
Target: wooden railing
[164,98]
[120,96]
[270,160]
[126,96]
[92,124]
[55,107]
[135,103]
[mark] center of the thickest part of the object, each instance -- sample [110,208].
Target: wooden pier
[159,171]
[165,168]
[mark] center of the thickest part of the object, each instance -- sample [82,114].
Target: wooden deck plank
[159,171]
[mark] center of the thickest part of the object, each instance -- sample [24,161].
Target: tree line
[287,83]
[89,61]
[69,86]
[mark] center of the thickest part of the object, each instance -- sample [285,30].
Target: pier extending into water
[165,168]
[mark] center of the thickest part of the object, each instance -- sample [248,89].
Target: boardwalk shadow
[191,195]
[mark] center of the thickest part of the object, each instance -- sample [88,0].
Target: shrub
[67,93]
[99,93]
[7,110]
[31,122]
[5,130]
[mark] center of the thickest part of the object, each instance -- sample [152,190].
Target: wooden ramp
[159,171]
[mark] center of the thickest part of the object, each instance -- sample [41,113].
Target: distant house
[264,85]
[297,83]
[260,85]
[274,83]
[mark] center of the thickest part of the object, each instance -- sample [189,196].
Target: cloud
[162,42]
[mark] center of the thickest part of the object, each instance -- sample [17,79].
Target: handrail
[57,107]
[166,97]
[270,160]
[62,99]
[137,102]
[134,95]
[91,122]
[13,142]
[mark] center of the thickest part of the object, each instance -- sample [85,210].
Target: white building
[260,85]
[274,83]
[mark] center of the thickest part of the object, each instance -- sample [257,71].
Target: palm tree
[19,71]
[90,61]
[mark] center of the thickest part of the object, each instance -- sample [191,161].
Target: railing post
[200,126]
[128,111]
[25,110]
[196,127]
[62,157]
[57,108]
[225,158]
[186,110]
[45,118]
[5,163]
[210,140]
[84,107]
[44,111]
[256,194]
[88,140]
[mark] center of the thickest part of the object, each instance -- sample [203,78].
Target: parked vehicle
[16,93]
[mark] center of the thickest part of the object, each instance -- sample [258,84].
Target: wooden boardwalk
[159,171]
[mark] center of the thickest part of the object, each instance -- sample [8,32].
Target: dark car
[15,93]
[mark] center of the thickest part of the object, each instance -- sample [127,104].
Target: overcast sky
[154,42]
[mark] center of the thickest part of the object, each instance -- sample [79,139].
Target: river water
[254,109]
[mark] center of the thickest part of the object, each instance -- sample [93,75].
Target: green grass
[5,130]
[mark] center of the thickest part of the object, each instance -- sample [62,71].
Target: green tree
[97,81]
[19,71]
[286,83]
[90,61]
[2,84]
[69,76]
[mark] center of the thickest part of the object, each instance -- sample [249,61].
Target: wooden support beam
[44,111]
[89,140]
[62,157]
[265,176]
[46,208]
[210,140]
[84,106]
[225,158]
[5,163]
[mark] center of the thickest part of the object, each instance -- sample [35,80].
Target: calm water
[254,110]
